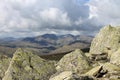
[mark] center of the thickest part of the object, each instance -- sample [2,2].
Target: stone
[4,63]
[94,71]
[75,61]
[110,67]
[27,66]
[66,75]
[106,42]
[115,57]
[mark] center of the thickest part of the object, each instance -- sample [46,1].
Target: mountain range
[45,44]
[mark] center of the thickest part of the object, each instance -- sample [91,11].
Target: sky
[22,18]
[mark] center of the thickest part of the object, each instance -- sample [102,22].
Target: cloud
[55,17]
[20,18]
[25,17]
[105,11]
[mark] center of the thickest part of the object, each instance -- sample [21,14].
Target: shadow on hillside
[57,57]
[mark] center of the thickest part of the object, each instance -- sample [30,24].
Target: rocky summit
[106,42]
[75,61]
[26,66]
[102,62]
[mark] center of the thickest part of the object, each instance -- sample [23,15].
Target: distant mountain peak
[51,36]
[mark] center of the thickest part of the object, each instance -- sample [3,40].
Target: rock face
[106,46]
[26,66]
[106,42]
[4,63]
[95,71]
[115,57]
[67,75]
[75,61]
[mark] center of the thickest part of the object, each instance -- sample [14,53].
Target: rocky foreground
[101,63]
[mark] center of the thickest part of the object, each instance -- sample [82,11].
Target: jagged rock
[110,67]
[26,66]
[85,78]
[68,75]
[115,57]
[4,63]
[113,71]
[105,71]
[96,72]
[105,43]
[75,61]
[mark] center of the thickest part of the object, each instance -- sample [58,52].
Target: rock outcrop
[96,72]
[69,75]
[115,57]
[66,75]
[26,66]
[4,63]
[104,57]
[75,61]
[105,43]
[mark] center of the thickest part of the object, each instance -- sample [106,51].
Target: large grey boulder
[75,61]
[106,42]
[27,66]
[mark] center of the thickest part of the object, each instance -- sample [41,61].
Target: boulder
[96,72]
[105,71]
[113,71]
[115,57]
[27,66]
[68,75]
[110,67]
[4,63]
[75,61]
[106,42]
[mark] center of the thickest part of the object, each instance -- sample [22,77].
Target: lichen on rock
[75,61]
[4,63]
[106,42]
[66,75]
[27,66]
[115,57]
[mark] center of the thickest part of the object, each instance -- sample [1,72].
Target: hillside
[45,44]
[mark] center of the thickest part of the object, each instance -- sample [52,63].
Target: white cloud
[35,17]
[105,11]
[55,17]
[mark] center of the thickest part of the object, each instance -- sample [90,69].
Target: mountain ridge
[46,43]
